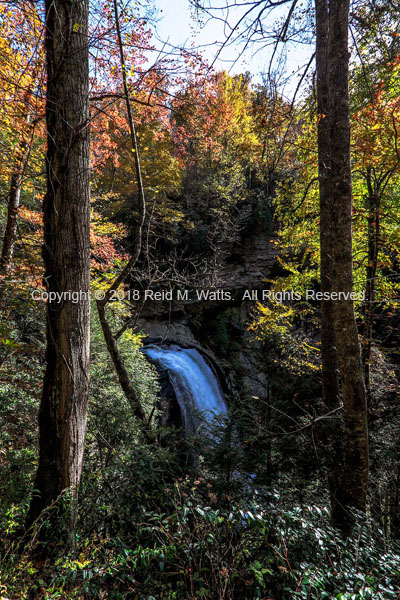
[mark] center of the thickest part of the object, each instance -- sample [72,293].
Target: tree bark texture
[330,383]
[330,368]
[66,254]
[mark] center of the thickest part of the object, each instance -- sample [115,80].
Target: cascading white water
[196,386]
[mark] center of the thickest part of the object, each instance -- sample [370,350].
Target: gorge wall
[218,329]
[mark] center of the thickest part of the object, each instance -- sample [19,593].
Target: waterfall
[195,384]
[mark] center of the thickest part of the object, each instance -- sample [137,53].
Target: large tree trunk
[330,386]
[355,477]
[336,239]
[66,253]
[330,374]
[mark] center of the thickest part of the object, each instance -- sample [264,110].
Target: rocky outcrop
[238,361]
[249,263]
[173,332]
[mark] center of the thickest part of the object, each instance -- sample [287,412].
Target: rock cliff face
[249,263]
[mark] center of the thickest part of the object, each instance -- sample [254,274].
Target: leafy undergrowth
[253,550]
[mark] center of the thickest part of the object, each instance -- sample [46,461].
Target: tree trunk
[330,369]
[372,263]
[10,232]
[122,373]
[330,384]
[340,343]
[353,486]
[21,163]
[111,340]
[66,253]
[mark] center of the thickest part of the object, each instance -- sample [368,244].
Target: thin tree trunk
[354,482]
[10,231]
[111,340]
[66,253]
[22,159]
[372,263]
[138,172]
[122,373]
